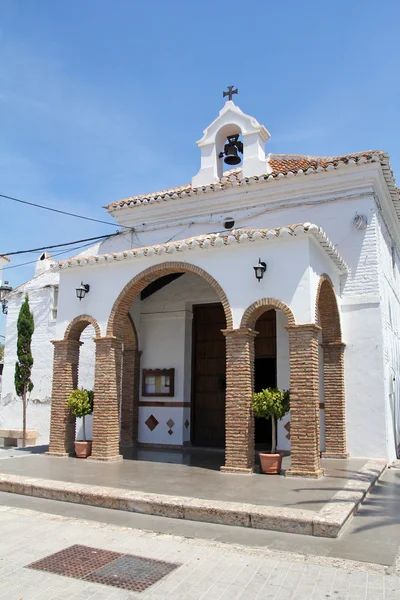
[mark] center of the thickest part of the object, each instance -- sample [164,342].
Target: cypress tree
[23,367]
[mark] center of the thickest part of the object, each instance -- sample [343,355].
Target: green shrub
[80,403]
[273,404]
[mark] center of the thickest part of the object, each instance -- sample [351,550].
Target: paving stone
[209,571]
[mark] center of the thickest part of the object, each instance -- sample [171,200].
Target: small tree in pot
[80,403]
[273,404]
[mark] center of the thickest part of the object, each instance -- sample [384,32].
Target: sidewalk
[208,571]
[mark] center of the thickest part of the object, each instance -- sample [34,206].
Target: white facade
[352,199]
[41,295]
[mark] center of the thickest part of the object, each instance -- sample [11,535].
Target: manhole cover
[119,570]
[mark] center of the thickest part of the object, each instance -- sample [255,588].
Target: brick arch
[130,336]
[123,303]
[65,379]
[327,314]
[326,309]
[255,310]
[77,325]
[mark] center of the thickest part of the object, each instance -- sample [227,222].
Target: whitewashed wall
[40,294]
[389,272]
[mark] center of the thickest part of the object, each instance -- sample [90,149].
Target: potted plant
[80,403]
[273,404]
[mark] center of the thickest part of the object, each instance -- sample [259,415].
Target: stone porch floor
[188,484]
[193,474]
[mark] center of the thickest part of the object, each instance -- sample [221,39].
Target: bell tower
[232,138]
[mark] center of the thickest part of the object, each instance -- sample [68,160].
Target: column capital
[333,345]
[109,340]
[242,332]
[306,327]
[64,343]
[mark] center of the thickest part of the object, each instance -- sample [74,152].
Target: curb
[328,522]
[333,517]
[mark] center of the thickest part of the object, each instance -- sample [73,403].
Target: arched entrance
[327,315]
[304,392]
[118,367]
[65,379]
[124,301]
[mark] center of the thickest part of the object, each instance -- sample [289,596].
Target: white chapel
[266,270]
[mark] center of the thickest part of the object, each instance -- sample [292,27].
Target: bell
[231,155]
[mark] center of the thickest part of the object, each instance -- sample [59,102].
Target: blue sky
[102,99]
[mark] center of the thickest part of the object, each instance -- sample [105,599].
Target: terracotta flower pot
[271,464]
[83,449]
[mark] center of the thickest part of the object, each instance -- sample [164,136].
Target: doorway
[208,376]
[264,371]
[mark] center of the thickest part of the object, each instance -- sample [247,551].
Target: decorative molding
[214,240]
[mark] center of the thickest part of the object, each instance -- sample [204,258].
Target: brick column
[130,397]
[304,401]
[65,379]
[107,390]
[334,399]
[239,417]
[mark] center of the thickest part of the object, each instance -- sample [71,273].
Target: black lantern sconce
[82,290]
[231,149]
[260,269]
[5,290]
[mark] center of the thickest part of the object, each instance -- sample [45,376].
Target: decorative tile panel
[151,422]
[170,423]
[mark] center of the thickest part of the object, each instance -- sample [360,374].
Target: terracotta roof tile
[281,165]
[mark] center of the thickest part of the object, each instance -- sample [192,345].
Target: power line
[56,210]
[99,237]
[31,262]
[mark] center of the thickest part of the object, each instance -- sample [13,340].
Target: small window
[55,302]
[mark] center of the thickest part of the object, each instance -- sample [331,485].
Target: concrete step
[327,522]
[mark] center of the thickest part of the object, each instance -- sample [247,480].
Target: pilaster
[239,417]
[334,399]
[107,394]
[304,401]
[65,379]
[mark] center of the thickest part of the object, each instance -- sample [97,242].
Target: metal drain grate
[132,573]
[124,571]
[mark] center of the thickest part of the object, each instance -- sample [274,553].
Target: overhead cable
[61,212]
[98,237]
[31,262]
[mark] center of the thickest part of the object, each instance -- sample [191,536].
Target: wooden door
[209,381]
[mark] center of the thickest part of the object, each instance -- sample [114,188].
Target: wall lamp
[82,290]
[5,290]
[260,269]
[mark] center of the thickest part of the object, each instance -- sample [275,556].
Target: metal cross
[230,92]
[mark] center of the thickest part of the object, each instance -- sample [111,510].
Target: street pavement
[209,570]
